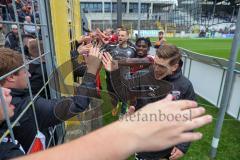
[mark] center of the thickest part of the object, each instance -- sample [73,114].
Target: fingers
[173,151]
[105,60]
[99,45]
[84,48]
[192,113]
[98,30]
[173,156]
[95,51]
[6,95]
[176,154]
[100,56]
[197,122]
[167,99]
[185,104]
[181,104]
[107,56]
[89,45]
[131,110]
[189,137]
[6,91]
[81,45]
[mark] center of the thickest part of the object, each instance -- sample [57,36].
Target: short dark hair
[160,32]
[146,40]
[169,52]
[120,26]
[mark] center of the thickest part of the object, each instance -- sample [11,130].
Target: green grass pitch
[214,47]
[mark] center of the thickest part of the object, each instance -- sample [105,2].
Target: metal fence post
[47,37]
[139,18]
[227,89]
[119,13]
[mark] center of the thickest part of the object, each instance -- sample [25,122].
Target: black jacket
[49,112]
[127,86]
[12,42]
[36,79]
[79,69]
[181,88]
[10,150]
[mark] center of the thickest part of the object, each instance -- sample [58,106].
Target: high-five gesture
[109,63]
[93,60]
[84,49]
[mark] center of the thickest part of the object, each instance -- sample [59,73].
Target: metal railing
[48,55]
[208,74]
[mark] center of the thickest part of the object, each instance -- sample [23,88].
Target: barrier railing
[207,73]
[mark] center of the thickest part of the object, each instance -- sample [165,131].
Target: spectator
[12,39]
[161,40]
[49,112]
[30,29]
[26,38]
[26,11]
[3,7]
[10,10]
[2,37]
[8,148]
[19,5]
[35,69]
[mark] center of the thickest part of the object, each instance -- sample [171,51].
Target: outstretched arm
[57,110]
[123,138]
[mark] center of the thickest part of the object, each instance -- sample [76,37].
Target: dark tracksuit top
[181,89]
[118,53]
[49,112]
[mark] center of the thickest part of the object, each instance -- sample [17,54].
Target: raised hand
[102,36]
[109,63]
[93,60]
[84,49]
[10,108]
[85,39]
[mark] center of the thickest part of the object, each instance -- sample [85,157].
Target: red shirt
[113,38]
